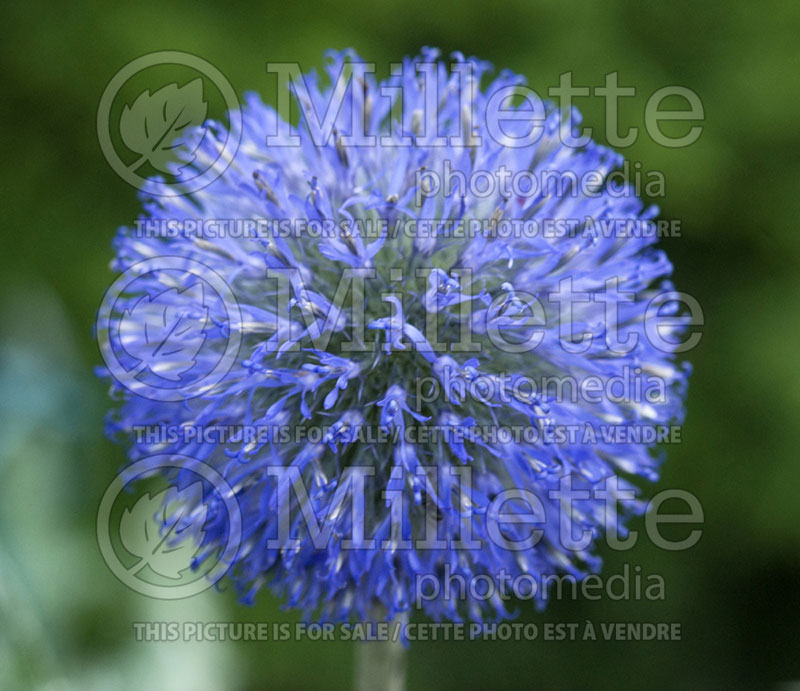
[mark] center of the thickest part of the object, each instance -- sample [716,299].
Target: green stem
[381,665]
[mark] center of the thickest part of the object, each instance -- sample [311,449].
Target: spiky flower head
[408,323]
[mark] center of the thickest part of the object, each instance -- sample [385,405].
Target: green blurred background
[66,622]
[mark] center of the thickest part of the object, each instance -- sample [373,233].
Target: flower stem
[380,666]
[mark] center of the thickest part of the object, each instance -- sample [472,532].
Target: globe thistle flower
[366,366]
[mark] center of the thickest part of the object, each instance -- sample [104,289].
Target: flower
[410,363]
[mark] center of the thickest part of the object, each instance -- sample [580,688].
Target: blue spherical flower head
[446,356]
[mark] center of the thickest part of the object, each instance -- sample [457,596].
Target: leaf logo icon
[166,332]
[159,123]
[164,530]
